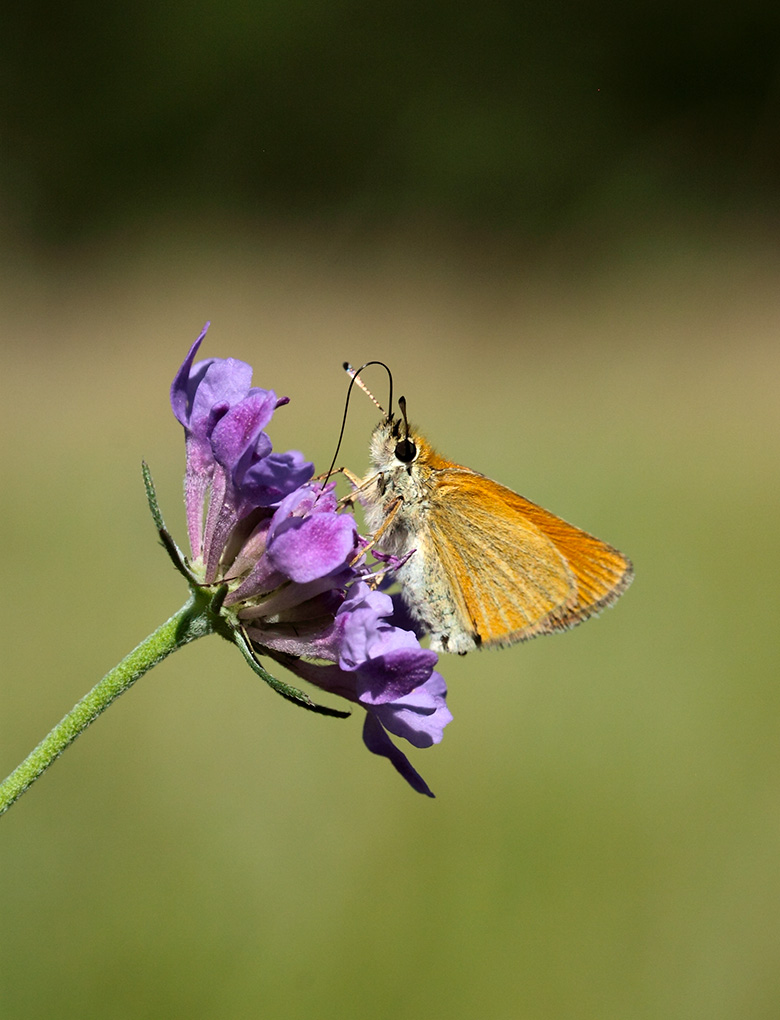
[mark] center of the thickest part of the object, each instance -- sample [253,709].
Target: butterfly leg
[393,509]
[355,482]
[352,478]
[358,484]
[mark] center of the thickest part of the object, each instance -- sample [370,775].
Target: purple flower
[296,586]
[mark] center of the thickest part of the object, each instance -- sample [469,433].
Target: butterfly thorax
[397,495]
[398,499]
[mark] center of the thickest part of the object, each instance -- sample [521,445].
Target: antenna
[354,377]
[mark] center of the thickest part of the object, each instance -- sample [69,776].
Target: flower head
[296,586]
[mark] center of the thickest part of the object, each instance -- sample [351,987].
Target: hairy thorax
[397,503]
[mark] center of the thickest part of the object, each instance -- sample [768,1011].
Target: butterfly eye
[405,451]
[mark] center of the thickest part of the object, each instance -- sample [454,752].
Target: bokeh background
[559,225]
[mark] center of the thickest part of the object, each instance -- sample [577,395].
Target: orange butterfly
[485,567]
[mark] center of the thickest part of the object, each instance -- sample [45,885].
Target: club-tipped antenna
[354,377]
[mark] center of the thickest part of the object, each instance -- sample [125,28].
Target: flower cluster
[297,588]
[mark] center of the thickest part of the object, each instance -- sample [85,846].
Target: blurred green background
[558,225]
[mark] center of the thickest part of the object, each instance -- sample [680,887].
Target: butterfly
[480,566]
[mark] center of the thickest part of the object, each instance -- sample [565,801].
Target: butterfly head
[394,444]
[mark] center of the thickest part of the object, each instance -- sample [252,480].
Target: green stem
[192,621]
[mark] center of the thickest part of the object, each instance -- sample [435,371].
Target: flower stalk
[192,621]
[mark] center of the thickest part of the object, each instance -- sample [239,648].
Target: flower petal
[378,742]
[240,431]
[270,479]
[305,548]
[184,384]
[395,675]
[363,610]
[419,717]
[217,382]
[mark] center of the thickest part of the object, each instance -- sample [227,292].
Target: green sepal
[286,690]
[178,558]
[215,606]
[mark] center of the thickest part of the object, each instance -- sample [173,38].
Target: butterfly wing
[516,569]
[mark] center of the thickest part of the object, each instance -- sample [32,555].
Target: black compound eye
[405,451]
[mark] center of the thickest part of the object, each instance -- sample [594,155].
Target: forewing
[517,570]
[507,575]
[601,572]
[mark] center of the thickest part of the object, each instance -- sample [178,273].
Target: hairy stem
[192,621]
